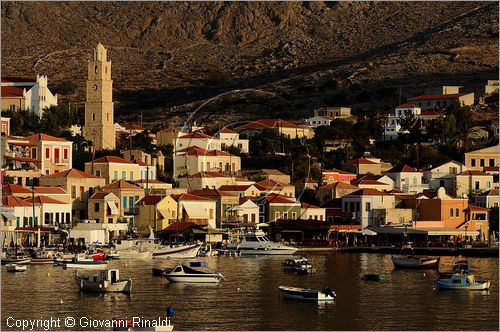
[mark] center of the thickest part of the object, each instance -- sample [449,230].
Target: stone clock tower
[99,125]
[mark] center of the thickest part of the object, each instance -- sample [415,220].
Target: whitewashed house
[444,176]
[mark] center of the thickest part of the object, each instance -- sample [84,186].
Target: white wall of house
[362,206]
[249,212]
[444,176]
[313,213]
[54,214]
[408,181]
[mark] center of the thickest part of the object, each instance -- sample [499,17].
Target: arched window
[457,212]
[451,212]
[95,69]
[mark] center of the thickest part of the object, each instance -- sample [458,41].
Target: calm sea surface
[249,299]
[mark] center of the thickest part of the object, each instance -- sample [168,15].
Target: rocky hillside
[170,56]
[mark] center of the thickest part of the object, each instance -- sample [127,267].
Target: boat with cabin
[460,266]
[462,281]
[107,281]
[299,265]
[185,274]
[16,259]
[81,261]
[307,294]
[257,243]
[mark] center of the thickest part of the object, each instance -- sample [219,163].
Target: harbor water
[250,300]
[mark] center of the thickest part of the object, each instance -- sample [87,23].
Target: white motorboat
[15,267]
[83,262]
[182,251]
[106,281]
[183,273]
[462,281]
[257,243]
[306,294]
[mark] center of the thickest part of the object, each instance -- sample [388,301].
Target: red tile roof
[196,134]
[226,130]
[10,189]
[120,184]
[150,200]
[474,172]
[359,161]
[438,97]
[339,185]
[12,91]
[49,190]
[270,184]
[111,159]
[367,181]
[402,168]
[132,126]
[179,226]
[190,197]
[267,123]
[99,195]
[140,163]
[44,200]
[279,199]
[12,201]
[367,192]
[44,137]
[490,169]
[211,192]
[72,173]
[197,151]
[407,105]
[235,187]
[308,206]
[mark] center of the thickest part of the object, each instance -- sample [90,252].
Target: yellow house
[78,184]
[127,193]
[195,159]
[168,136]
[103,208]
[113,168]
[155,211]
[472,182]
[483,158]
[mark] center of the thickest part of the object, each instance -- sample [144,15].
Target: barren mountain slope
[175,53]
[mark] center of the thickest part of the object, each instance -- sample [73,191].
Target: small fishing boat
[17,259]
[113,255]
[460,266]
[182,251]
[15,267]
[183,273]
[82,262]
[43,257]
[413,262]
[159,271]
[462,281]
[299,265]
[306,294]
[373,277]
[107,281]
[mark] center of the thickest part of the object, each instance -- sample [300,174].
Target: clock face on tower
[94,87]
